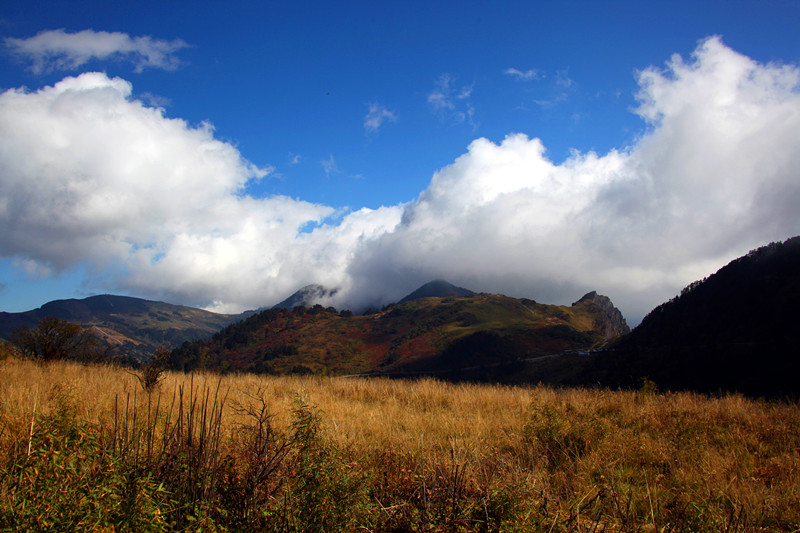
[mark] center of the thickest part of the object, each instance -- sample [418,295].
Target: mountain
[611,322]
[306,297]
[438,288]
[736,330]
[752,300]
[442,335]
[135,326]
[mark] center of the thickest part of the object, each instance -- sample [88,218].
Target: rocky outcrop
[609,321]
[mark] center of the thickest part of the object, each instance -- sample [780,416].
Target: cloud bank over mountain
[156,206]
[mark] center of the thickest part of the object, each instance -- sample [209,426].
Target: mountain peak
[615,324]
[438,288]
[589,296]
[306,297]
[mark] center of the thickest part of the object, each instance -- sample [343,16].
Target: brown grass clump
[250,453]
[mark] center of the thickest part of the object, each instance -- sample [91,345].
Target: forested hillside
[737,330]
[421,335]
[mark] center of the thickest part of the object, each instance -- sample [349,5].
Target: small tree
[55,339]
[7,350]
[152,372]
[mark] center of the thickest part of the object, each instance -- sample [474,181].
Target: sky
[224,155]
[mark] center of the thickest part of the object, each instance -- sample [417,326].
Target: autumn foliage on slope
[428,334]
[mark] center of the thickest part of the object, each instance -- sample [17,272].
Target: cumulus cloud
[714,175]
[55,50]
[33,269]
[158,206]
[376,116]
[90,175]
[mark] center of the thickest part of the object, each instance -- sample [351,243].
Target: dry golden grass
[363,413]
[566,460]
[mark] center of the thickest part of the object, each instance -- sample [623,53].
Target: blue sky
[367,146]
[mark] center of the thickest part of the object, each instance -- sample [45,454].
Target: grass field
[85,447]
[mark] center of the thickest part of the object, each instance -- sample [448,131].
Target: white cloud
[376,116]
[465,92]
[559,91]
[154,204]
[440,98]
[54,50]
[715,176]
[154,100]
[329,166]
[452,102]
[33,269]
[91,176]
[527,75]
[563,80]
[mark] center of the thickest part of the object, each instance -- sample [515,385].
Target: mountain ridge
[418,335]
[734,331]
[134,326]
[615,325]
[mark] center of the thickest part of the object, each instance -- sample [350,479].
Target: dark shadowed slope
[737,330]
[439,289]
[753,299]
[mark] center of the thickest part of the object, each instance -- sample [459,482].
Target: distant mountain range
[134,326]
[734,331]
[433,330]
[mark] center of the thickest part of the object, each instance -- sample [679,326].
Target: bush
[69,478]
[324,494]
[562,437]
[56,339]
[152,372]
[6,350]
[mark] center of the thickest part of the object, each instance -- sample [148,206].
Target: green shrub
[324,493]
[562,436]
[68,478]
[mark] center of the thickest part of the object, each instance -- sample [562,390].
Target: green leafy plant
[324,493]
[69,478]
